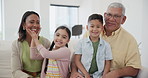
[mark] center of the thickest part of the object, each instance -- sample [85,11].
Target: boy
[92,54]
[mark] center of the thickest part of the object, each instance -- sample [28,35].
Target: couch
[5,56]
[5,59]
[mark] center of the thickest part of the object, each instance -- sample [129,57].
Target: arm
[80,65]
[55,54]
[33,52]
[16,64]
[123,72]
[74,69]
[106,67]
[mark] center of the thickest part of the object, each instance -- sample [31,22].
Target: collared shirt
[85,48]
[124,49]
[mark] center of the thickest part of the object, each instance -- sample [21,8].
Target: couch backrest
[5,59]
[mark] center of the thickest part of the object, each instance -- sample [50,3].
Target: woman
[22,65]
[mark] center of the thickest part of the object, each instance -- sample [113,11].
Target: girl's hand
[33,34]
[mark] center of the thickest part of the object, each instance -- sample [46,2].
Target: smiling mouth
[33,29]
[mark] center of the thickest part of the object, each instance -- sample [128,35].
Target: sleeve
[16,62]
[61,53]
[108,53]
[78,48]
[34,54]
[133,55]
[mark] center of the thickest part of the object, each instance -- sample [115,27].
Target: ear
[68,41]
[24,26]
[87,27]
[123,20]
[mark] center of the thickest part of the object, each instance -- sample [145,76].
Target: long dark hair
[52,45]
[22,32]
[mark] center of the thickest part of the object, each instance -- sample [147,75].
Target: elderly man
[126,58]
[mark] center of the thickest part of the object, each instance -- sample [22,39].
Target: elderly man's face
[113,19]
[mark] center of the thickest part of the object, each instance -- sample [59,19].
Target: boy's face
[95,27]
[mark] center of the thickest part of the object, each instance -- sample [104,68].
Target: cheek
[27,25]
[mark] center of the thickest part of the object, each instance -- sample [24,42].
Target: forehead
[117,11]
[95,22]
[62,32]
[32,17]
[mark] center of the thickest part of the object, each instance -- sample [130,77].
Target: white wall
[14,10]
[136,12]
[144,26]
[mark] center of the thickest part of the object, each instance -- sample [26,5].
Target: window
[1,22]
[62,15]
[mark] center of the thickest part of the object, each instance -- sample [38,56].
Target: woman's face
[32,23]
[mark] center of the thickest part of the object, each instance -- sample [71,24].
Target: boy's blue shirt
[85,48]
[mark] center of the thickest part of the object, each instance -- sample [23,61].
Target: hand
[87,75]
[112,74]
[76,75]
[33,34]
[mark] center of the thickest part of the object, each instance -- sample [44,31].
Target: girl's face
[32,23]
[61,38]
[95,27]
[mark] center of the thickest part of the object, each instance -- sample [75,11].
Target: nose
[95,28]
[36,25]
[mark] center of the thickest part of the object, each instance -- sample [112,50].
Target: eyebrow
[62,35]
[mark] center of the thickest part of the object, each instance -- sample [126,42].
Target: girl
[57,59]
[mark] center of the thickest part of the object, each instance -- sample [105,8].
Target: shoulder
[45,42]
[128,36]
[15,43]
[64,49]
[44,39]
[84,40]
[102,41]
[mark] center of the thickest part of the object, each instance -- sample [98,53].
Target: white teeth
[33,29]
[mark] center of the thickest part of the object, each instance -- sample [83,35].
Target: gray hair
[117,5]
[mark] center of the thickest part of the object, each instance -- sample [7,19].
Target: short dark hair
[96,17]
[21,32]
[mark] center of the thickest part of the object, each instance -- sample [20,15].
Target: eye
[98,26]
[57,34]
[91,26]
[117,16]
[38,22]
[31,22]
[64,37]
[108,14]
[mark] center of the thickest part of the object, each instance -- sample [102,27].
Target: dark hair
[98,17]
[22,32]
[52,45]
